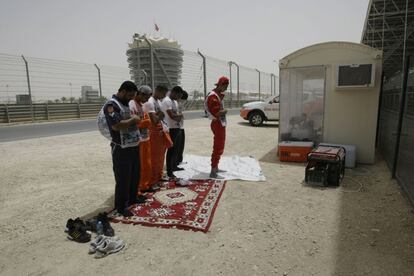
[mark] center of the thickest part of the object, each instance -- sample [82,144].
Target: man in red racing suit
[215,109]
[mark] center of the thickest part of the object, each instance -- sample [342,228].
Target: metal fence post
[238,82]
[79,110]
[151,61]
[99,78]
[204,73]
[7,114]
[380,105]
[231,87]
[271,84]
[406,65]
[145,76]
[47,111]
[29,88]
[259,81]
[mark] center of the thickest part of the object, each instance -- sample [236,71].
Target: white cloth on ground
[236,167]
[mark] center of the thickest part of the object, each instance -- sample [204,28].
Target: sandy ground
[277,227]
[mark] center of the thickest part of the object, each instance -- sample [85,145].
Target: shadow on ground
[375,227]
[375,223]
[107,206]
[265,125]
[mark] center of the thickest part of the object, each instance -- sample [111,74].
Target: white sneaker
[109,246]
[98,241]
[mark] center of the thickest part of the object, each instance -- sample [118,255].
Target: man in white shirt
[181,106]
[173,119]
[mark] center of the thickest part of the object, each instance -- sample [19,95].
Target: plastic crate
[292,151]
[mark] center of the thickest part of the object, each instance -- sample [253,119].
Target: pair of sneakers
[77,231]
[103,245]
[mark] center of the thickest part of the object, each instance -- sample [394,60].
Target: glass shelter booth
[302,104]
[329,92]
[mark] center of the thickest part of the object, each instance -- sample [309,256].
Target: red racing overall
[214,105]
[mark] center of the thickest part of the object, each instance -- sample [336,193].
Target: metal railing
[15,113]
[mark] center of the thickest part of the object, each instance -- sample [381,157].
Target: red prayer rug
[190,207]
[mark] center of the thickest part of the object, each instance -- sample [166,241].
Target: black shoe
[126,213]
[140,199]
[79,236]
[107,228]
[102,217]
[76,230]
[171,176]
[149,190]
[70,224]
[91,224]
[177,169]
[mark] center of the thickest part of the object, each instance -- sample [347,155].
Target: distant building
[169,54]
[23,99]
[89,94]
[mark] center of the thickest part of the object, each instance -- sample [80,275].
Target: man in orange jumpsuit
[216,112]
[136,107]
[159,136]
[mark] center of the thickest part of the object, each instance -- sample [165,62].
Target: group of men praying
[147,131]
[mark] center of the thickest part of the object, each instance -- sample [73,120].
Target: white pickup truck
[258,112]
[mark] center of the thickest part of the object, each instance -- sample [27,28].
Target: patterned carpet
[190,207]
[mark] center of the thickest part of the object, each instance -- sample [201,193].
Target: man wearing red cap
[217,114]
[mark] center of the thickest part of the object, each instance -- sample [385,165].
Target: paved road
[38,130]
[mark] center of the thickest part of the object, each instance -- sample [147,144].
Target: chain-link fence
[25,80]
[396,124]
[29,80]
[33,89]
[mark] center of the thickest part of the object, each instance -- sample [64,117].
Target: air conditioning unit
[355,75]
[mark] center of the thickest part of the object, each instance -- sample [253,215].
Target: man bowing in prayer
[215,110]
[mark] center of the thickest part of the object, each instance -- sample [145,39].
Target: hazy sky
[253,33]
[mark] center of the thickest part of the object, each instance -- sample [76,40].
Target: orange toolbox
[293,151]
